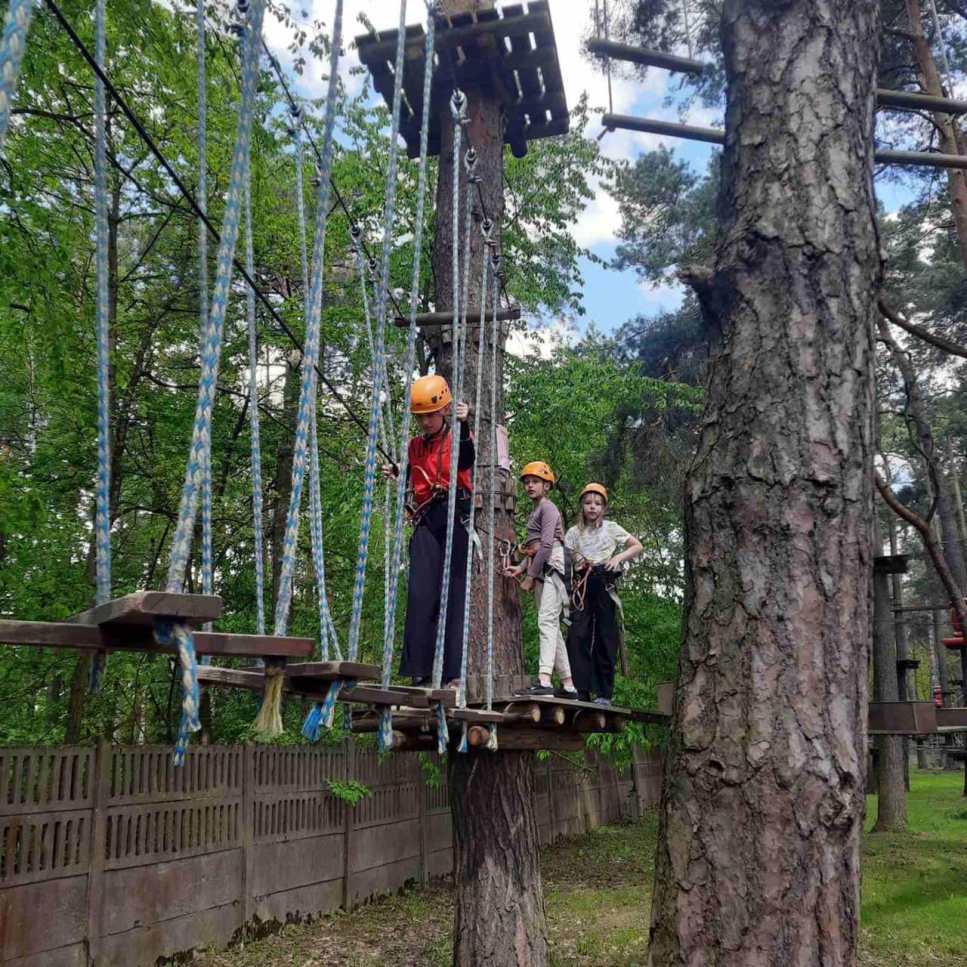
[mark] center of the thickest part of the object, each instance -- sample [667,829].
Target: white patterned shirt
[597,544]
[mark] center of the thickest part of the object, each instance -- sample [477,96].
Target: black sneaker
[571,694]
[584,696]
[421,682]
[536,688]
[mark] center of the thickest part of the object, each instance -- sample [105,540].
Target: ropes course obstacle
[168,622]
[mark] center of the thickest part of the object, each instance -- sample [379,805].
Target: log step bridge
[127,624]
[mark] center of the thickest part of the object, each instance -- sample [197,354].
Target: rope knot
[470,160]
[487,227]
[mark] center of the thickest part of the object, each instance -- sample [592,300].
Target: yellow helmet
[429,394]
[595,488]
[537,468]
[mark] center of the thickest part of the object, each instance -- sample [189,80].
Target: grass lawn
[598,892]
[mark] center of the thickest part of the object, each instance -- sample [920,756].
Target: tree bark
[891,812]
[758,855]
[499,916]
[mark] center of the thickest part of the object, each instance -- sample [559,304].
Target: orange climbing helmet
[595,488]
[429,394]
[537,468]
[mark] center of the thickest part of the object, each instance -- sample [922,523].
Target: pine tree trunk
[499,899]
[758,856]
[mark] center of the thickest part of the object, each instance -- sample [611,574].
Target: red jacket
[429,468]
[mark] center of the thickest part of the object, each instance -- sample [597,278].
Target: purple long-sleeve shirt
[543,528]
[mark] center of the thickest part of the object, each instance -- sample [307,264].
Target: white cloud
[541,341]
[662,298]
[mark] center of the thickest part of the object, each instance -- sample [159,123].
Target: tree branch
[930,543]
[948,346]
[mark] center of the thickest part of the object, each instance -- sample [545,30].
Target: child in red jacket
[428,483]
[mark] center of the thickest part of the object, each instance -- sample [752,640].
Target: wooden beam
[429,319]
[644,57]
[920,102]
[929,159]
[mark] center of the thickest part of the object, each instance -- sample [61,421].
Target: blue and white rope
[458,108]
[389,629]
[369,478]
[462,693]
[211,344]
[253,406]
[199,455]
[311,348]
[491,489]
[102,490]
[269,719]
[382,294]
[206,497]
[15,27]
[322,714]
[327,630]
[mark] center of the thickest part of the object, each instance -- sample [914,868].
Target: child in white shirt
[600,548]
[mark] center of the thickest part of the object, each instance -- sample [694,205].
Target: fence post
[350,774]
[247,906]
[95,874]
[422,791]
[550,799]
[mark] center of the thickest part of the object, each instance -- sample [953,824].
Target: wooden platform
[915,718]
[509,54]
[127,624]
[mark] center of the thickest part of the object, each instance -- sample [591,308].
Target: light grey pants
[551,598]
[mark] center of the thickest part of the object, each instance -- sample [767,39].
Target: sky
[610,297]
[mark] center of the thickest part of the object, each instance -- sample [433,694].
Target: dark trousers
[592,640]
[427,549]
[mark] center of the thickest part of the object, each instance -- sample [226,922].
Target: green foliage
[432,772]
[349,791]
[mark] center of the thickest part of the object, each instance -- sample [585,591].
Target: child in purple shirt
[544,568]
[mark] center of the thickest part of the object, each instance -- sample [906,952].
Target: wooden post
[95,876]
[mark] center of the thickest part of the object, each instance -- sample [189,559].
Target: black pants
[427,548]
[592,640]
